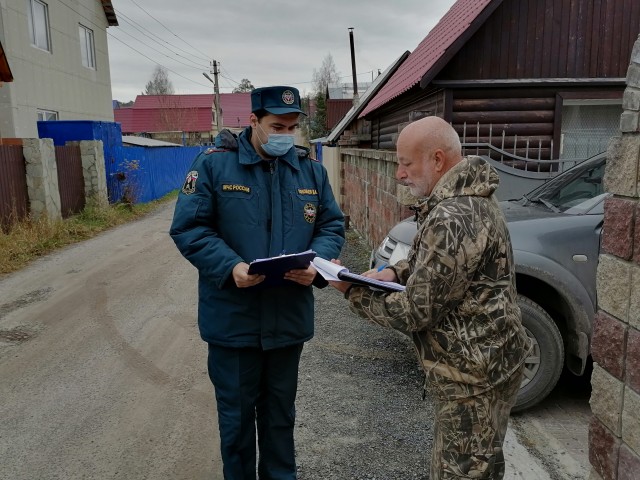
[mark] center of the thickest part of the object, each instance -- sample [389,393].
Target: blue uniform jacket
[232,209]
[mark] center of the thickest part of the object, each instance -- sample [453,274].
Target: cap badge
[288,97]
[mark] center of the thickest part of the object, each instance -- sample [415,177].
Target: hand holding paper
[334,272]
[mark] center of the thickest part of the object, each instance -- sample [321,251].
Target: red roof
[124,116]
[187,113]
[201,100]
[236,108]
[336,110]
[450,27]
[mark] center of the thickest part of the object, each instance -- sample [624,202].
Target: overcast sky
[270,42]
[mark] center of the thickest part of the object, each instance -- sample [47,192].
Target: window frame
[87,47]
[45,113]
[34,31]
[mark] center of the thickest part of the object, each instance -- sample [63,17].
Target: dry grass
[29,239]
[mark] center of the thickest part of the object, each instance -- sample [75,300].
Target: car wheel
[544,365]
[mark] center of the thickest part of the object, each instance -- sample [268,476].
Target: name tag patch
[190,183]
[307,191]
[235,188]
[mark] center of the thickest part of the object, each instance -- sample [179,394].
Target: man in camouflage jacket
[459,306]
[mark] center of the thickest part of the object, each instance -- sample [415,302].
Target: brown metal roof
[336,109]
[109,12]
[430,56]
[5,71]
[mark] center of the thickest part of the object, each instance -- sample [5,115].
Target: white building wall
[55,80]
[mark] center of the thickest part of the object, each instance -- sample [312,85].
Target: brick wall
[370,195]
[614,433]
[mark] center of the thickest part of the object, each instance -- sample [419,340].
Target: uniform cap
[276,100]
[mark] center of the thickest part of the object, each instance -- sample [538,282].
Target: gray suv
[555,232]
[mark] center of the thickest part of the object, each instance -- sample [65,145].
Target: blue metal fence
[135,174]
[144,174]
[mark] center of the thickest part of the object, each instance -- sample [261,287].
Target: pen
[382,267]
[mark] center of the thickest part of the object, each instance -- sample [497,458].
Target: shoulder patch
[209,151]
[190,182]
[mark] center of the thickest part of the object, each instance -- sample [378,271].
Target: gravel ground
[360,412]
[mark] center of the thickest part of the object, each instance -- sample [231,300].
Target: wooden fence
[70,180]
[14,200]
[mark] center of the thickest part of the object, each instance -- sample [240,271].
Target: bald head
[427,149]
[431,133]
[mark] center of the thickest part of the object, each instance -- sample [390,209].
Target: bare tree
[159,83]
[321,80]
[326,75]
[244,86]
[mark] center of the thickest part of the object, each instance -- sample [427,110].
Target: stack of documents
[331,271]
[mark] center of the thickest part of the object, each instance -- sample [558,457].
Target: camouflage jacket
[460,303]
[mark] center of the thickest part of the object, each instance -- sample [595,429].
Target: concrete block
[636,236]
[621,172]
[629,464]
[606,398]
[633,360]
[617,237]
[635,53]
[629,121]
[593,475]
[608,342]
[631,420]
[633,75]
[614,289]
[634,302]
[631,99]
[604,449]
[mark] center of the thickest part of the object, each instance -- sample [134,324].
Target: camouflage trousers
[469,433]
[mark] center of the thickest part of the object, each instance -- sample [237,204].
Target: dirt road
[103,376]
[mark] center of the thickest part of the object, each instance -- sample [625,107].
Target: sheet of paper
[331,271]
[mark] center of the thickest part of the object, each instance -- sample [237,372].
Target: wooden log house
[542,79]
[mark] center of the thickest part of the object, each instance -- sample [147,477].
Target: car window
[574,187]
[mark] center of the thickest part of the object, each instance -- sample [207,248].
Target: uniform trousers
[469,433]
[256,387]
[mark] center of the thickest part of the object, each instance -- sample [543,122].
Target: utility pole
[216,91]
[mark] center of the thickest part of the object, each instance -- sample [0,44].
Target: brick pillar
[42,178]
[614,433]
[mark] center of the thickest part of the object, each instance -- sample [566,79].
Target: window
[587,126]
[87,49]
[47,115]
[38,13]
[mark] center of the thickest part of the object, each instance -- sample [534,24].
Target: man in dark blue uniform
[256,196]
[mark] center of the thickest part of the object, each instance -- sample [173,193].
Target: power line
[167,28]
[172,71]
[198,67]
[160,42]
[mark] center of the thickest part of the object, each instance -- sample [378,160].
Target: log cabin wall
[550,39]
[386,126]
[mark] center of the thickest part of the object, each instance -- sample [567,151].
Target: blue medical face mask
[277,143]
